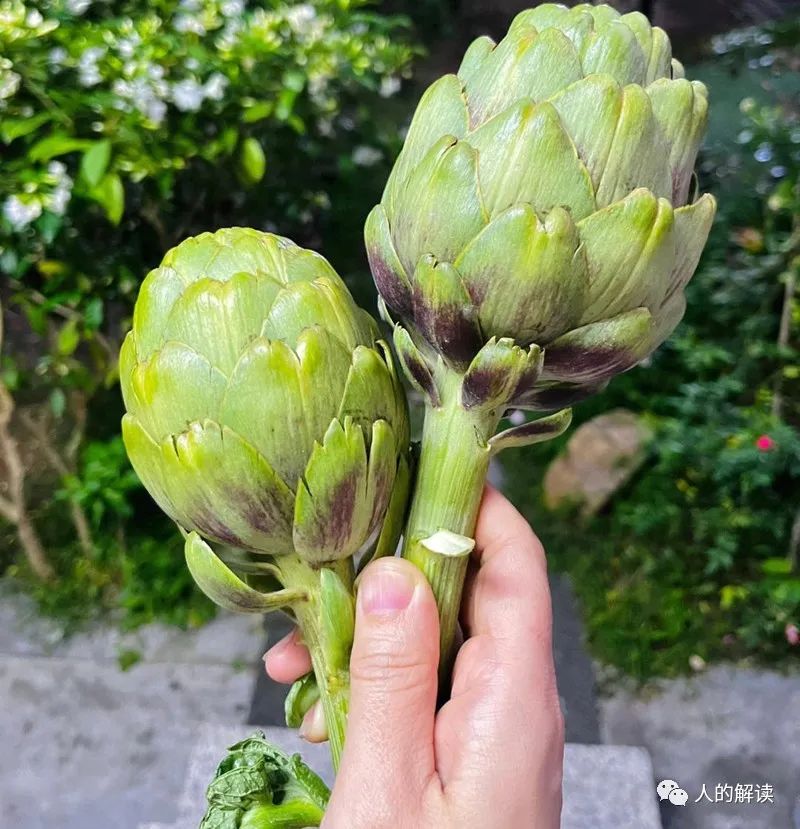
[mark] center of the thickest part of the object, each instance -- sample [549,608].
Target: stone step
[605,787]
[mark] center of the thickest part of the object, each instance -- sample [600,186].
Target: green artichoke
[265,417]
[533,240]
[262,411]
[544,196]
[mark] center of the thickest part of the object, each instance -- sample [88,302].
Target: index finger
[508,594]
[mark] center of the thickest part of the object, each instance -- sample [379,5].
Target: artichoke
[537,230]
[258,786]
[266,419]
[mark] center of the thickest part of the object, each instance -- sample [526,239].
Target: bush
[698,555]
[126,127]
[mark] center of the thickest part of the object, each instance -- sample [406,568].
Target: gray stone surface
[608,787]
[574,667]
[88,746]
[605,787]
[726,726]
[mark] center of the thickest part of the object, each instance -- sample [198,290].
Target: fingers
[508,594]
[393,675]
[288,659]
[504,703]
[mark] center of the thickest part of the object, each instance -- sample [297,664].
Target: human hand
[491,757]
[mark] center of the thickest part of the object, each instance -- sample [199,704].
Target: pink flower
[792,634]
[764,443]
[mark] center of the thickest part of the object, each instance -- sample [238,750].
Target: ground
[88,746]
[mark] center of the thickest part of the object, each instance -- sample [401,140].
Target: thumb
[393,676]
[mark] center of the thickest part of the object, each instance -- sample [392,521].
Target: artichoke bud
[544,196]
[262,411]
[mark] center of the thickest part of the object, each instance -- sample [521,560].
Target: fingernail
[313,728]
[385,589]
[280,644]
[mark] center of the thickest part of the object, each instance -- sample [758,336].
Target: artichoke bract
[539,227]
[266,419]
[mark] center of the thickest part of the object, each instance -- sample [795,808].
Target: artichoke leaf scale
[331,513]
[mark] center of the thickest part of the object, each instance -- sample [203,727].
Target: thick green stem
[331,673]
[453,464]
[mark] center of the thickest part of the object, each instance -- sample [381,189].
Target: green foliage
[694,555]
[124,128]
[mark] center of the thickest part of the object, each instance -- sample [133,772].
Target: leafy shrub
[698,555]
[126,127]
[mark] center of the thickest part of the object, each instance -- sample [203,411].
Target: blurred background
[671,510]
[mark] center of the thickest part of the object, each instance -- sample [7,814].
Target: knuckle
[388,664]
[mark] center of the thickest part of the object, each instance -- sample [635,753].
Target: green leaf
[776,567]
[110,195]
[95,162]
[68,338]
[93,313]
[257,112]
[58,402]
[252,161]
[12,128]
[225,588]
[54,145]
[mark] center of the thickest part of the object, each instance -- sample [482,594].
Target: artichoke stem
[332,680]
[453,464]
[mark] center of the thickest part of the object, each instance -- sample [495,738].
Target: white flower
[89,76]
[155,110]
[516,418]
[185,23]
[57,56]
[91,55]
[59,199]
[34,19]
[317,87]
[215,86]
[57,169]
[78,7]
[127,46]
[155,71]
[325,127]
[19,214]
[190,5]
[364,156]
[187,95]
[9,84]
[232,8]
[192,64]
[302,19]
[229,35]
[302,13]
[389,86]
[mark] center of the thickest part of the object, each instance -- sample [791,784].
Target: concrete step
[605,787]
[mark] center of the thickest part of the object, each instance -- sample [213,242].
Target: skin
[491,757]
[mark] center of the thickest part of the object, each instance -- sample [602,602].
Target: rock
[600,457]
